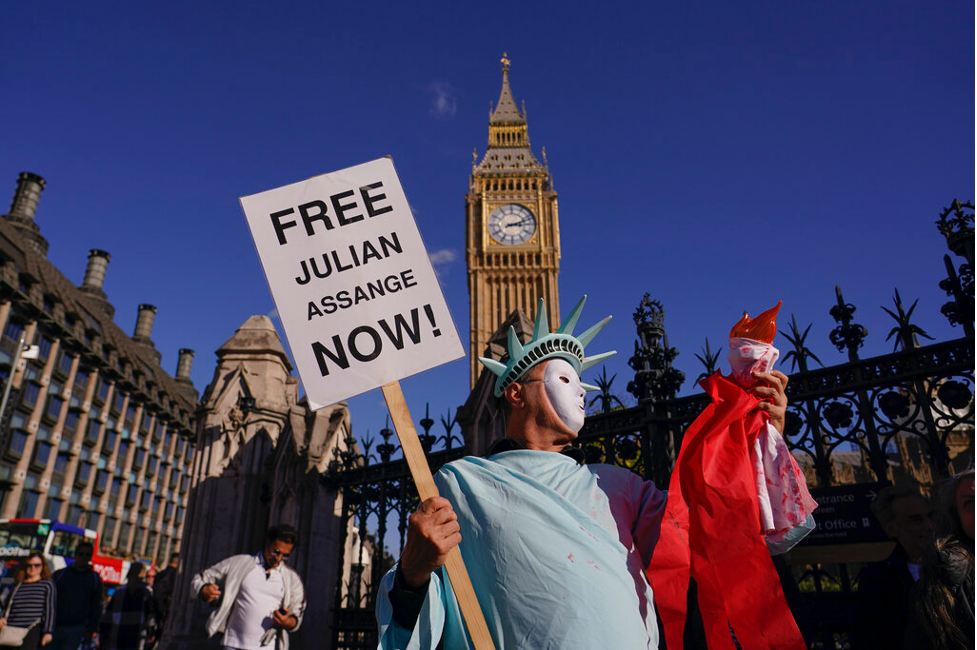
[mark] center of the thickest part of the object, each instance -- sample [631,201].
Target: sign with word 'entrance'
[352,281]
[844,515]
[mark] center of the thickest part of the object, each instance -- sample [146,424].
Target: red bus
[57,542]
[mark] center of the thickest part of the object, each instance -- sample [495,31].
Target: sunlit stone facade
[93,432]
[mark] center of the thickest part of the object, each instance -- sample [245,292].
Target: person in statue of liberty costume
[556,550]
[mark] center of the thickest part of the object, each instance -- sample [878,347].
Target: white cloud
[444,100]
[440,260]
[442,257]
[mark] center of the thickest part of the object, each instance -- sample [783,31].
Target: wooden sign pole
[421,472]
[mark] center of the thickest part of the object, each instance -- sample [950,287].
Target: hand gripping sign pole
[421,473]
[361,306]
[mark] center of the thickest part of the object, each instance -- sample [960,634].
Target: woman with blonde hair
[30,602]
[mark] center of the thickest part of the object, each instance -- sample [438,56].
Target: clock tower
[512,228]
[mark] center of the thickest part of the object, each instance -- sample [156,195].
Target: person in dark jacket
[944,606]
[885,588]
[129,622]
[79,607]
[164,586]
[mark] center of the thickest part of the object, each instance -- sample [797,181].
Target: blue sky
[720,156]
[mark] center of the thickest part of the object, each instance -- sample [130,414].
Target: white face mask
[566,395]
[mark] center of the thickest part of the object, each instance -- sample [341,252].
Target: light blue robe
[556,553]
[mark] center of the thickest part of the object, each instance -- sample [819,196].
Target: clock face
[511,224]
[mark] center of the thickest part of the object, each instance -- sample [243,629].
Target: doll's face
[565,393]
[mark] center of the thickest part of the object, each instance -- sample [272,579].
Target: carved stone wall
[481,417]
[261,455]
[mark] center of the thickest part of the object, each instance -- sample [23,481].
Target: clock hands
[510,224]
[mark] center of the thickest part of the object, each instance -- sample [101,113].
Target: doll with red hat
[734,462]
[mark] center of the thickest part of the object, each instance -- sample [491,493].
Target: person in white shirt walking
[261,599]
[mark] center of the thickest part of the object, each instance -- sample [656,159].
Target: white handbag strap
[6,614]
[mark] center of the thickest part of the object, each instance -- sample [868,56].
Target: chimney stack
[29,188]
[98,261]
[144,331]
[183,365]
[144,323]
[24,207]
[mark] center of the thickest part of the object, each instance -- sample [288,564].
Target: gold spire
[506,110]
[508,149]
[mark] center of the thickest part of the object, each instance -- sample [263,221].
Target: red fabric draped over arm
[711,532]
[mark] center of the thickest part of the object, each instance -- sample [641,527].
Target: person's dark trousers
[66,637]
[33,639]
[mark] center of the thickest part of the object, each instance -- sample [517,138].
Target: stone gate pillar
[260,458]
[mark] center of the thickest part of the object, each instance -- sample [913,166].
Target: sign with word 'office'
[844,515]
[352,281]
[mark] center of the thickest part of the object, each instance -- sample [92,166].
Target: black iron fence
[904,414]
[378,495]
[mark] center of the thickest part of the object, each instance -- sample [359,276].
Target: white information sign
[352,281]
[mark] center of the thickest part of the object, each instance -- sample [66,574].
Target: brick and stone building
[93,431]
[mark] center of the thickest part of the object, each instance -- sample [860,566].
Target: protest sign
[352,281]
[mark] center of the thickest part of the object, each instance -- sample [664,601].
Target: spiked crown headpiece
[544,345]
